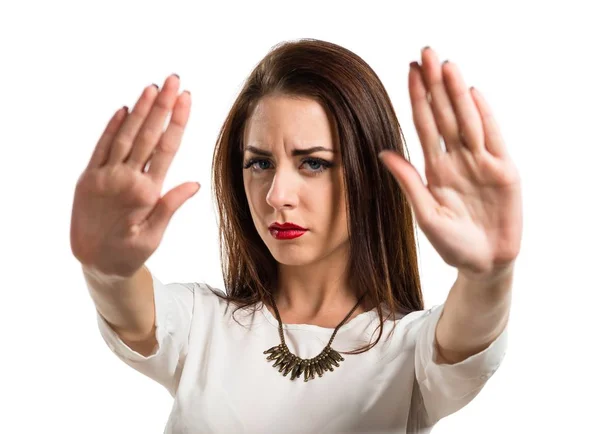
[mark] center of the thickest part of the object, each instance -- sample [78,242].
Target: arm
[470,209]
[475,314]
[127,304]
[145,322]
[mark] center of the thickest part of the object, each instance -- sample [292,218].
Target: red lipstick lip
[286,226]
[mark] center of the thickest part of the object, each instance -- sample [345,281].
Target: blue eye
[319,165]
[259,164]
[316,165]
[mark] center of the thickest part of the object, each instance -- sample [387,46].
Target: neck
[316,293]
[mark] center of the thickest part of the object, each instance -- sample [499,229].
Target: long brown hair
[383,252]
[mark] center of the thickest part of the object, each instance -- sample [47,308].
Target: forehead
[297,121]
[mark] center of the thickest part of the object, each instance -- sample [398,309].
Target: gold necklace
[289,362]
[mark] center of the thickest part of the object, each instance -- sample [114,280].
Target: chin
[292,256]
[299,255]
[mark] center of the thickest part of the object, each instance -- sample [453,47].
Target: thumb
[417,194]
[169,204]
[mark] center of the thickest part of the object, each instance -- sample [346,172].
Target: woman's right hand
[119,217]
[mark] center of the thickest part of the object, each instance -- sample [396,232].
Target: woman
[318,249]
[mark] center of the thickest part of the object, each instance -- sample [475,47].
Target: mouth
[286,226]
[286,234]
[286,231]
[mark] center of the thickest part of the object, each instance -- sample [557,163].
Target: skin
[300,189]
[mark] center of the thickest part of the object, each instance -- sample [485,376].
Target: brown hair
[383,256]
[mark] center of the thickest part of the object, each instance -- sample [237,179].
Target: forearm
[475,314]
[127,304]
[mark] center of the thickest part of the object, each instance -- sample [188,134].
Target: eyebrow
[295,152]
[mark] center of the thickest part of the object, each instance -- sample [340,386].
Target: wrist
[491,277]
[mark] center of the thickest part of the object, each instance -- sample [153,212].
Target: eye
[253,162]
[316,165]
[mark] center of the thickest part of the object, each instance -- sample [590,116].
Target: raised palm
[118,216]
[470,209]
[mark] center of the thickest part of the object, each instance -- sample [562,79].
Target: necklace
[290,363]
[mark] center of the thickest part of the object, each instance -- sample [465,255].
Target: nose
[282,193]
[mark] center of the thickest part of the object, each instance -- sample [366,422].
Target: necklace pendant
[308,374]
[288,363]
[291,365]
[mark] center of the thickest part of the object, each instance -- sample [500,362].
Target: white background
[66,67]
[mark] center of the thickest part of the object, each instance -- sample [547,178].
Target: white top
[222,383]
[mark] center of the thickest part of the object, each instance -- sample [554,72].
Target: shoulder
[208,296]
[212,302]
[413,321]
[203,289]
[406,331]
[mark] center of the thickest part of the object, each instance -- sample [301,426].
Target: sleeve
[174,308]
[447,388]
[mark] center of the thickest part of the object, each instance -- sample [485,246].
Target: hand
[119,217]
[470,209]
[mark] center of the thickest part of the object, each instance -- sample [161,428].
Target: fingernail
[425,48]
[155,85]
[445,61]
[414,65]
[176,75]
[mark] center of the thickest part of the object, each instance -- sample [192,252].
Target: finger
[468,117]
[493,140]
[102,149]
[440,101]
[167,206]
[121,145]
[418,195]
[171,139]
[153,126]
[423,118]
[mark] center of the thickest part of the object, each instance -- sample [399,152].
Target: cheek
[254,193]
[328,201]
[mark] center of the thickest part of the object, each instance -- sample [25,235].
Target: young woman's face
[285,187]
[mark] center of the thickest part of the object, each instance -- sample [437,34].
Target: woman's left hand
[470,209]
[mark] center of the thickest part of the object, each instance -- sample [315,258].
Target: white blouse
[221,382]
